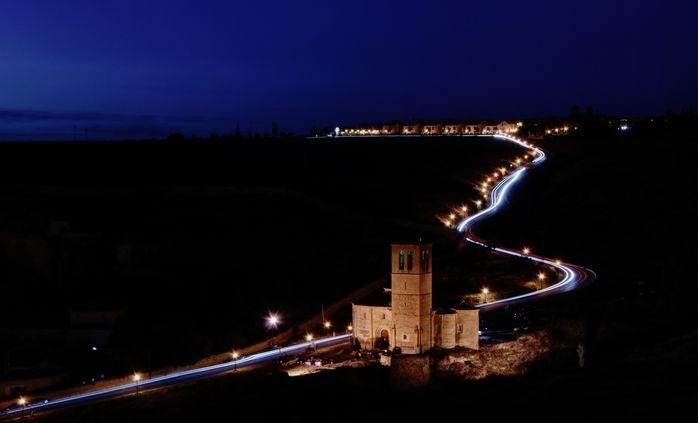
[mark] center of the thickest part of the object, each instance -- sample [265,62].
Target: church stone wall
[469,336]
[368,323]
[446,338]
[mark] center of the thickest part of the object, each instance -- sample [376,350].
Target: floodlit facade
[410,322]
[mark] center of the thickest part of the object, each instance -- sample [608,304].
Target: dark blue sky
[133,67]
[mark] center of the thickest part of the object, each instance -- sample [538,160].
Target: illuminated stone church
[409,321]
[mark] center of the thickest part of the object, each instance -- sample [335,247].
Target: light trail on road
[573,276]
[177,377]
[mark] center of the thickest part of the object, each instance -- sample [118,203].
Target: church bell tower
[411,297]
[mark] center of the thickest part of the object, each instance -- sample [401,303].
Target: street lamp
[527,250]
[235,360]
[23,403]
[350,328]
[485,291]
[541,278]
[273,322]
[137,379]
[327,326]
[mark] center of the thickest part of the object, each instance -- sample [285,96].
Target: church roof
[378,298]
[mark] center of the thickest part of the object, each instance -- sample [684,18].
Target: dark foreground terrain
[192,242]
[622,205]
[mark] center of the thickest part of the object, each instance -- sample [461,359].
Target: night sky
[142,68]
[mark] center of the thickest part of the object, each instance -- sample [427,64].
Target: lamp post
[273,323]
[541,278]
[137,379]
[328,325]
[235,360]
[23,403]
[485,291]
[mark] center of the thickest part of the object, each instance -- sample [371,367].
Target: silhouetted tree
[574,112]
[237,130]
[590,112]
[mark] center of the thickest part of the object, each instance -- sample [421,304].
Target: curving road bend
[573,276]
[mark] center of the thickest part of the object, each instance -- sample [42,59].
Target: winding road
[573,276]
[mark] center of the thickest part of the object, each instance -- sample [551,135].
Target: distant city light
[527,250]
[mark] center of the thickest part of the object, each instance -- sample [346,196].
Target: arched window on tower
[401,261]
[425,260]
[409,260]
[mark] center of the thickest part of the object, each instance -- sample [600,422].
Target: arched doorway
[383,341]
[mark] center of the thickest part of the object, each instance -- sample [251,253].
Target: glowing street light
[23,403]
[478,203]
[273,322]
[485,291]
[541,278]
[308,337]
[503,170]
[235,360]
[137,379]
[350,328]
[452,216]
[527,250]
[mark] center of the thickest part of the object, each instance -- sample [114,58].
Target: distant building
[390,129]
[453,129]
[431,129]
[409,322]
[435,128]
[472,129]
[488,128]
[412,129]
